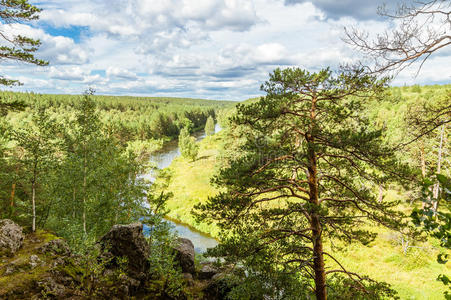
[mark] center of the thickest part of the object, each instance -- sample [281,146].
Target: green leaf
[442,258]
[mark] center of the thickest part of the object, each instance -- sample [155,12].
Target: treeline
[127,118]
[72,164]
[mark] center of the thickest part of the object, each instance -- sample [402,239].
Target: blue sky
[215,49]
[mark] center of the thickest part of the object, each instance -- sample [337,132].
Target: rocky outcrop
[128,241]
[185,255]
[11,237]
[207,271]
[55,247]
[42,264]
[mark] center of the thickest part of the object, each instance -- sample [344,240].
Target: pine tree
[17,47]
[210,126]
[303,175]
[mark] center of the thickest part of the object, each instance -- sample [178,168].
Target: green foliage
[412,273]
[189,182]
[210,126]
[437,222]
[97,150]
[90,269]
[37,146]
[97,185]
[187,144]
[303,173]
[167,279]
[343,288]
[416,89]
[126,118]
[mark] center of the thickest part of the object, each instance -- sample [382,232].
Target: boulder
[35,261]
[55,247]
[11,237]
[207,271]
[188,277]
[185,255]
[128,241]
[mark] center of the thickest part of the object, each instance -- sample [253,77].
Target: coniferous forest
[333,183]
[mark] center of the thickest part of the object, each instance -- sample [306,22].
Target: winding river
[162,160]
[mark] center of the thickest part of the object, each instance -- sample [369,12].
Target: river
[163,159]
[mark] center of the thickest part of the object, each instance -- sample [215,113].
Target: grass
[412,274]
[190,183]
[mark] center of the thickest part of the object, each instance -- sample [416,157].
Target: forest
[64,157]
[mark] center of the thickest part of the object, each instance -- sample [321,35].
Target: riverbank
[190,183]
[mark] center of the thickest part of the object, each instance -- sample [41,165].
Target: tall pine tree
[303,176]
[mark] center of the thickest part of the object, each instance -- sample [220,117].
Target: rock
[10,269]
[51,286]
[11,237]
[127,286]
[185,255]
[55,247]
[128,241]
[188,277]
[218,288]
[207,271]
[34,261]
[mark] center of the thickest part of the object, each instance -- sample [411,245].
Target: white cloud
[120,73]
[221,49]
[71,73]
[57,49]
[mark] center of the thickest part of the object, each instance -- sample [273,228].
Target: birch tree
[37,140]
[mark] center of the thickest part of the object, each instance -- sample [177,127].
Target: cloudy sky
[214,49]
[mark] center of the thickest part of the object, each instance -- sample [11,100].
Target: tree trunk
[318,260]
[439,166]
[381,194]
[84,192]
[13,189]
[318,256]
[13,192]
[74,206]
[423,161]
[423,167]
[33,201]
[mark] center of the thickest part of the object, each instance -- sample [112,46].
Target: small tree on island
[187,144]
[210,126]
[305,176]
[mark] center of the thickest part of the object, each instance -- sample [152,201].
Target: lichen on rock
[11,237]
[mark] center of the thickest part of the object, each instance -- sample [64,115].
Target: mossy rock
[24,280]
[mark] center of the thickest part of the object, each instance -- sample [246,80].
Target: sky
[210,49]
